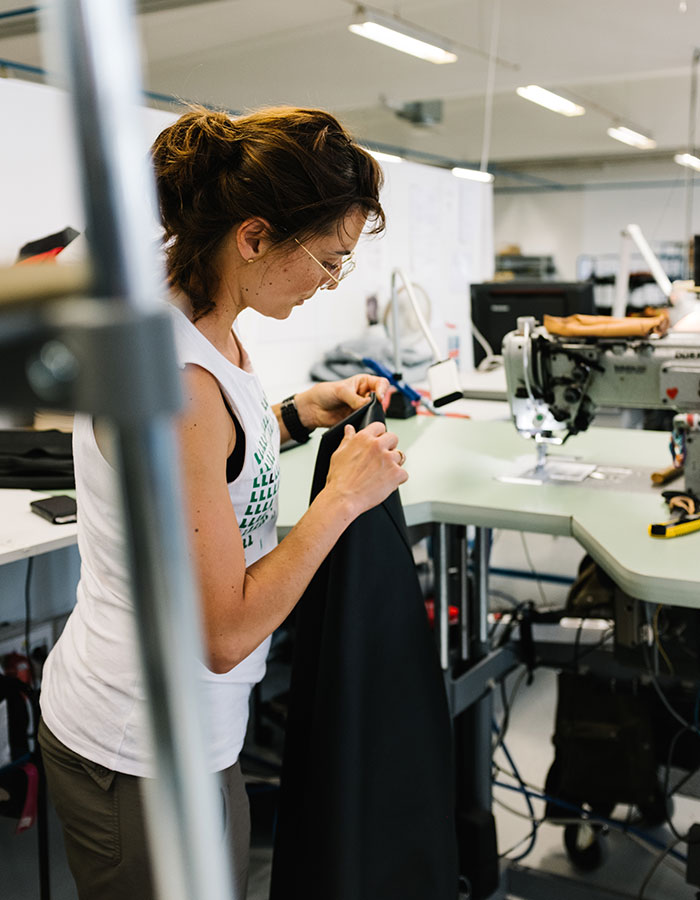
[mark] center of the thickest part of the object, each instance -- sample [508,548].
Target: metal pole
[463,594]
[182,812]
[622,279]
[395,325]
[442,593]
[689,172]
[482,711]
[482,538]
[650,258]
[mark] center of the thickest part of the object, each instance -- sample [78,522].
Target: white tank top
[92,696]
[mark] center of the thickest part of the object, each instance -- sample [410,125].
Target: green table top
[454,465]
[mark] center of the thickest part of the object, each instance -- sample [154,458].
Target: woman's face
[283,278]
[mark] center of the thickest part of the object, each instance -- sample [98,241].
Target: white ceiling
[625,60]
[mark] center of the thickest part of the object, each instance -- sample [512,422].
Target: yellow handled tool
[675,527]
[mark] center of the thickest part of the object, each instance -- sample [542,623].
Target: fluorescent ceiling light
[631,137]
[473,175]
[549,100]
[394,32]
[687,159]
[385,157]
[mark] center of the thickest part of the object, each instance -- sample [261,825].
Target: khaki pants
[103,826]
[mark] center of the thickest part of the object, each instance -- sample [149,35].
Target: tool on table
[664,476]
[687,518]
[379,369]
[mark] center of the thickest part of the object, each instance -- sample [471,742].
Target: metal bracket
[90,355]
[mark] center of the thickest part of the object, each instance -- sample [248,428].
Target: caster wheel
[584,846]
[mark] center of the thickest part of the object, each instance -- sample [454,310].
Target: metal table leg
[472,725]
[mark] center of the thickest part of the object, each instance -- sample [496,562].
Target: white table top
[453,465]
[23,533]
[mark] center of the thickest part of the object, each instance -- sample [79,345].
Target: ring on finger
[402,456]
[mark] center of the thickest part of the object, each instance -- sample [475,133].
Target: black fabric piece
[367,792]
[234,463]
[39,460]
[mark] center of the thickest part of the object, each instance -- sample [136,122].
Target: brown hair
[296,168]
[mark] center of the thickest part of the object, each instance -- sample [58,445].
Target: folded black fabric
[367,794]
[41,460]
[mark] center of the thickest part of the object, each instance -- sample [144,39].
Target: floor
[626,862]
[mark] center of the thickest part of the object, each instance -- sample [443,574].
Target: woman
[259,213]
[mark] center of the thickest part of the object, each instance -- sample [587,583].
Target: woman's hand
[366,468]
[329,402]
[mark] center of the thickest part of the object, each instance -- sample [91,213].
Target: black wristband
[292,422]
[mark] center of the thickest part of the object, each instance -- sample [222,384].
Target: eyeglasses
[335,271]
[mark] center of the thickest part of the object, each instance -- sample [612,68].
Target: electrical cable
[532,836]
[684,780]
[502,595]
[657,640]
[491,360]
[650,874]
[506,853]
[33,695]
[657,687]
[636,834]
[562,822]
[28,609]
[628,834]
[504,619]
[606,637]
[587,815]
[507,706]
[668,794]
[514,812]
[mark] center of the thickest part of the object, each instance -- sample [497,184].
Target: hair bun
[218,140]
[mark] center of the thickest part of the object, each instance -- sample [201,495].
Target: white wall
[439,230]
[39,181]
[569,223]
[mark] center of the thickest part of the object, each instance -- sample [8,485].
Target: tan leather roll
[606,326]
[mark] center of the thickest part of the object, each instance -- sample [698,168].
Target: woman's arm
[329,402]
[240,606]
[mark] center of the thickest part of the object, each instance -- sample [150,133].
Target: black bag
[38,460]
[604,740]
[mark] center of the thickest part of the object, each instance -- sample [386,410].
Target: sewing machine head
[555,384]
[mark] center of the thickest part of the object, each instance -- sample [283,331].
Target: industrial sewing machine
[556,384]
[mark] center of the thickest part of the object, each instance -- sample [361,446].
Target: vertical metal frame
[97,43]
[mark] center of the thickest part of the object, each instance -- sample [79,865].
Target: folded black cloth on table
[367,792]
[39,460]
